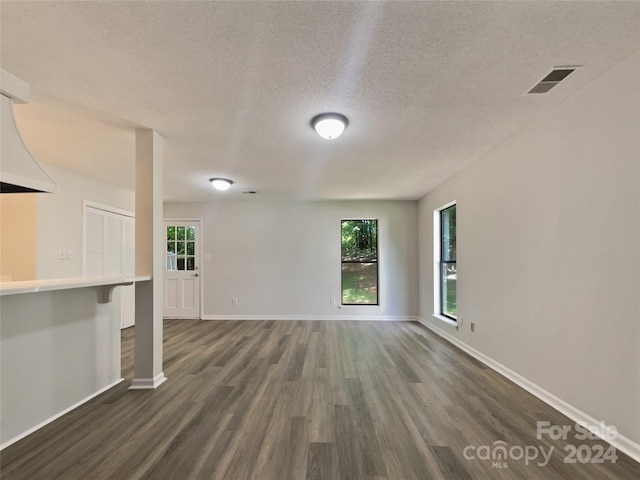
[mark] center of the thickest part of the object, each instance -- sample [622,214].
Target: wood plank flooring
[302,400]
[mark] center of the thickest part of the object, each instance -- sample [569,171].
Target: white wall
[283,259]
[549,251]
[59,220]
[58,348]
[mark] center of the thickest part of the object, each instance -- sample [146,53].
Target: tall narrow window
[446,264]
[359,262]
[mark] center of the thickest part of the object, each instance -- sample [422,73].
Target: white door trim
[108,208]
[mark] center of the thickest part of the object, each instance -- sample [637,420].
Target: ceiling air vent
[250,192]
[552,79]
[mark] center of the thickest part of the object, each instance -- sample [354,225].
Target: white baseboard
[58,415]
[148,383]
[380,318]
[621,442]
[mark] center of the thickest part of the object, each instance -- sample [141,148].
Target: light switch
[61,255]
[69,253]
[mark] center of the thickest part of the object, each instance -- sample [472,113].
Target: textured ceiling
[231,86]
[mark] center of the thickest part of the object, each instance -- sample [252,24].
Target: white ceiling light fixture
[329,125]
[221,184]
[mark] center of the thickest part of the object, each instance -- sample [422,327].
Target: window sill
[451,322]
[360,305]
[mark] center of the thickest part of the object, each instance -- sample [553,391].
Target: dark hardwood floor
[275,400]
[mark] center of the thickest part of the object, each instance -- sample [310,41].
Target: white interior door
[182,272]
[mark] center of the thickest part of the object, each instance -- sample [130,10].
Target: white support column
[148,372]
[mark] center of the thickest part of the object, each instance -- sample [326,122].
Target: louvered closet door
[109,249]
[115,245]
[128,268]
[94,243]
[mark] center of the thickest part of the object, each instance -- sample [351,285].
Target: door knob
[196,275]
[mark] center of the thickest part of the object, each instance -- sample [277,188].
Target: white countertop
[32,286]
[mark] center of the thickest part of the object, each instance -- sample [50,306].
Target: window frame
[377,263]
[439,263]
[174,257]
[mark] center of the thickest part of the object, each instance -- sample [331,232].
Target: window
[181,247]
[359,262]
[446,276]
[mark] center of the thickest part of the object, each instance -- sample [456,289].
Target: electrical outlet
[332,302]
[473,327]
[234,301]
[460,321]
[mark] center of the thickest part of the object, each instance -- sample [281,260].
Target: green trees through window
[448,265]
[181,247]
[359,262]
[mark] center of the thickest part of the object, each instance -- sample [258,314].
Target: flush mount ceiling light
[221,184]
[329,125]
